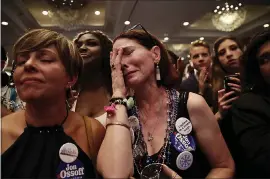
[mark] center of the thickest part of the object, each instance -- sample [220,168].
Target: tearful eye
[127,51]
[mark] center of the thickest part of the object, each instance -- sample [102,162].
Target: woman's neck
[40,114]
[149,97]
[91,101]
[92,81]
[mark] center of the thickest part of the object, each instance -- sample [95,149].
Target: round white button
[183,126]
[184,160]
[68,153]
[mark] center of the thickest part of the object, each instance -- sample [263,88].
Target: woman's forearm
[115,155]
[221,173]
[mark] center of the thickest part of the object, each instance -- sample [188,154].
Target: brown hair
[200,43]
[148,41]
[106,48]
[41,38]
[218,72]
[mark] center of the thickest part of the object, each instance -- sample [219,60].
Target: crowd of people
[127,108]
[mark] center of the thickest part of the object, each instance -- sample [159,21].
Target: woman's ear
[72,81]
[156,53]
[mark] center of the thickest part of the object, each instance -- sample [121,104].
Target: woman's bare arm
[210,138]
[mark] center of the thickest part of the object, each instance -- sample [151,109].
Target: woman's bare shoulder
[12,127]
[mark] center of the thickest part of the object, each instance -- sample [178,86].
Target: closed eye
[128,51]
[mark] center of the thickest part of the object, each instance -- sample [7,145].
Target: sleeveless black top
[200,166]
[36,154]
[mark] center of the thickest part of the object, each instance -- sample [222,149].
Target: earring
[70,95]
[158,78]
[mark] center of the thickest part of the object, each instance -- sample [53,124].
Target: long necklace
[140,148]
[150,134]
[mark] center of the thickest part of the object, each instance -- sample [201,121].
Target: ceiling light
[188,56]
[218,7]
[127,22]
[266,25]
[97,13]
[201,38]
[45,13]
[186,23]
[4,23]
[166,38]
[71,1]
[182,58]
[230,17]
[215,11]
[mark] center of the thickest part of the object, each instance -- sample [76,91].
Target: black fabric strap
[67,112]
[183,98]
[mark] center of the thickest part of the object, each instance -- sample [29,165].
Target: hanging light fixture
[68,14]
[229,16]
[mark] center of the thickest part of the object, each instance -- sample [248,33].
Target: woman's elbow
[113,171]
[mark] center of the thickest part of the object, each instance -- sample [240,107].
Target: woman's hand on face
[225,100]
[118,83]
[170,173]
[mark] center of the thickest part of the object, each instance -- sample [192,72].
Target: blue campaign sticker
[182,142]
[74,170]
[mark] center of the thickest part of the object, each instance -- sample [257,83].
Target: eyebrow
[263,54]
[47,50]
[127,47]
[88,40]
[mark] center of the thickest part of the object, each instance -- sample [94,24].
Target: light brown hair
[40,38]
[200,43]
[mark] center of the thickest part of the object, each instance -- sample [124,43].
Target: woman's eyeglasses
[148,34]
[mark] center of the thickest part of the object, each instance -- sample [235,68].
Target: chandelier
[68,14]
[229,17]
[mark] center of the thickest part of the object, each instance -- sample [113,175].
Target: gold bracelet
[119,124]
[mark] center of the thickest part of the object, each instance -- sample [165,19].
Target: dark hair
[252,77]
[41,38]
[200,43]
[173,56]
[3,54]
[218,72]
[106,48]
[148,41]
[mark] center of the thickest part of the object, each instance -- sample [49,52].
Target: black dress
[247,134]
[35,154]
[200,166]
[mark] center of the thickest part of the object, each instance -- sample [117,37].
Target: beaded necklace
[140,147]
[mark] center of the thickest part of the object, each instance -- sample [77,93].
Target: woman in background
[250,124]
[95,86]
[228,51]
